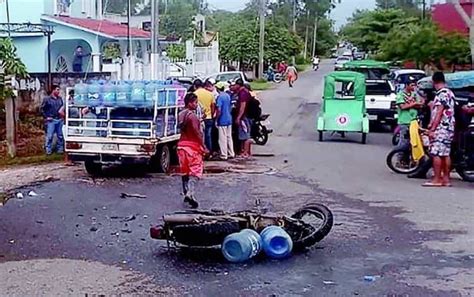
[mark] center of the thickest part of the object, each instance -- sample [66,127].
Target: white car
[340,61]
[380,101]
[229,76]
[400,77]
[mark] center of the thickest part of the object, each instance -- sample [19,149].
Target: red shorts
[190,161]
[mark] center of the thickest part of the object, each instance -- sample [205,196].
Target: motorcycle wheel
[394,163]
[307,233]
[205,234]
[278,78]
[466,174]
[261,137]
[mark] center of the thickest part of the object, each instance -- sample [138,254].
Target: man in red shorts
[191,148]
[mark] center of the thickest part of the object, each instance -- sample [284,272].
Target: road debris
[129,218]
[371,278]
[93,229]
[326,282]
[128,195]
[32,194]
[19,195]
[39,222]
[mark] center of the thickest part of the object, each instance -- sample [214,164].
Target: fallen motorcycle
[200,228]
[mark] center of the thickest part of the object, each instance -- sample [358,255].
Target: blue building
[75,23]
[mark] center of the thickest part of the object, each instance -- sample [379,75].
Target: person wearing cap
[210,85]
[224,122]
[408,104]
[207,102]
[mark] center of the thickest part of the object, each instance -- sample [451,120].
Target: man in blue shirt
[224,122]
[52,110]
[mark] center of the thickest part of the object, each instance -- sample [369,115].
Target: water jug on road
[241,246]
[277,244]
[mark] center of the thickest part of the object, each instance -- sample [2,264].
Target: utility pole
[305,53]
[424,10]
[315,34]
[294,26]
[155,35]
[262,38]
[469,21]
[129,40]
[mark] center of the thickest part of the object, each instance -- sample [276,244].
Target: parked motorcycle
[260,129]
[199,228]
[400,159]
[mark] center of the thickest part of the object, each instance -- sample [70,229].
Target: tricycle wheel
[320,135]
[364,138]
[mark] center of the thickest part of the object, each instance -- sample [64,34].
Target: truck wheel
[93,168]
[163,157]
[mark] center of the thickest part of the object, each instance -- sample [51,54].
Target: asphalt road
[415,241]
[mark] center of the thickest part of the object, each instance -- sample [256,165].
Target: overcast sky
[340,14]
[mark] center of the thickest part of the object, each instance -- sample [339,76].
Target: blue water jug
[162,97]
[138,93]
[277,244]
[171,125]
[241,246]
[109,94]
[94,94]
[80,94]
[160,126]
[122,94]
[172,96]
[150,89]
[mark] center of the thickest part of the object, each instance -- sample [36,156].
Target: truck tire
[163,158]
[93,168]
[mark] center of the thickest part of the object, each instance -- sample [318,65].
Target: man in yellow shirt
[208,104]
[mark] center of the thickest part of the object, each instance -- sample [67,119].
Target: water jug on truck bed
[127,122]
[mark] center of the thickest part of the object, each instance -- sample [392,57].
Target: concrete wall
[33,52]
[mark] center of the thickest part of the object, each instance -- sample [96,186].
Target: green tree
[424,44]
[10,65]
[239,41]
[176,51]
[368,29]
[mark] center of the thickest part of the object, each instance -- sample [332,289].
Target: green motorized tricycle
[343,108]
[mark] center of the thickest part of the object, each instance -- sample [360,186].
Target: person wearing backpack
[224,122]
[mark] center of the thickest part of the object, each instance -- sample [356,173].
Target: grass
[302,67]
[260,85]
[40,159]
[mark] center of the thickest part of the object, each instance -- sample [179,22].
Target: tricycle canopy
[370,68]
[351,80]
[456,80]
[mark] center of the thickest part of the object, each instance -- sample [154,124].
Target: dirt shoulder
[12,178]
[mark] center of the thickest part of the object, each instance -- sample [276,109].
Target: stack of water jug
[139,93]
[134,95]
[242,246]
